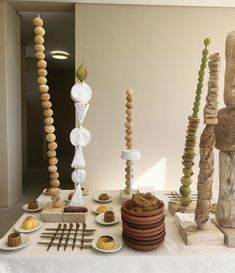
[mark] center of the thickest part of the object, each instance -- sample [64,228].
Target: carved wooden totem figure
[207,144]
[225,141]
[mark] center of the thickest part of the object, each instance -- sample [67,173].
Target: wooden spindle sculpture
[225,142]
[189,153]
[207,143]
[47,111]
[129,136]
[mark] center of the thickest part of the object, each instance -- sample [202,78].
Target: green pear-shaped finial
[81,72]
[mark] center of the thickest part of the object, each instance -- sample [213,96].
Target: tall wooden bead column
[47,111]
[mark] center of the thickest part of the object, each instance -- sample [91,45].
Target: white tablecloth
[172,256]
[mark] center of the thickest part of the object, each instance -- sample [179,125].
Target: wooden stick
[75,235]
[67,238]
[83,231]
[74,229]
[61,237]
[78,239]
[53,238]
[62,244]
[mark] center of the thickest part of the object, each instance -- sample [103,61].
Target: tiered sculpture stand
[186,204]
[47,111]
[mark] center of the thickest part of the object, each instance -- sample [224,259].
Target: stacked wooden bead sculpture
[129,136]
[189,153]
[47,111]
[207,144]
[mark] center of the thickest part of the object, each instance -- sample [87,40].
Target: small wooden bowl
[151,236]
[143,226]
[141,214]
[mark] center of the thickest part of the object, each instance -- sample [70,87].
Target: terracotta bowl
[142,247]
[144,225]
[135,219]
[141,221]
[145,243]
[150,238]
[143,232]
[142,214]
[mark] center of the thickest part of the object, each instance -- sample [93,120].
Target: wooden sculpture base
[208,236]
[175,206]
[229,235]
[51,214]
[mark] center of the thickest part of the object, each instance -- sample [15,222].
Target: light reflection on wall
[155,176]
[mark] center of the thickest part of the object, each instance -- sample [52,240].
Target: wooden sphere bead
[55,183]
[55,197]
[41,64]
[129,98]
[48,121]
[52,169]
[39,55]
[37,22]
[52,146]
[49,129]
[58,204]
[39,31]
[45,96]
[38,39]
[54,175]
[47,113]
[129,131]
[46,104]
[128,137]
[39,48]
[127,169]
[42,72]
[50,137]
[129,92]
[43,88]
[128,163]
[53,161]
[42,80]
[51,154]
[129,144]
[129,118]
[129,112]
[129,105]
[129,125]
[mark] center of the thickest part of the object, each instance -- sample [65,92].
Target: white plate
[46,193]
[118,243]
[95,209]
[40,207]
[18,227]
[4,245]
[96,197]
[100,219]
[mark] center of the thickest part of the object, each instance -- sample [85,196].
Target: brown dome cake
[143,222]
[103,197]
[109,216]
[14,239]
[106,242]
[33,205]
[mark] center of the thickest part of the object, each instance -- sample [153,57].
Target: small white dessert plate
[47,193]
[94,209]
[40,207]
[118,245]
[18,227]
[5,246]
[100,219]
[96,198]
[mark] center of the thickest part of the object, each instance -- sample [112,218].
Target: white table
[172,256]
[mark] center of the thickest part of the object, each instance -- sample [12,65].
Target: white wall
[11,159]
[157,52]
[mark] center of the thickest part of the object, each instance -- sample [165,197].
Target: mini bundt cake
[109,216]
[105,242]
[104,196]
[33,205]
[14,239]
[29,223]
